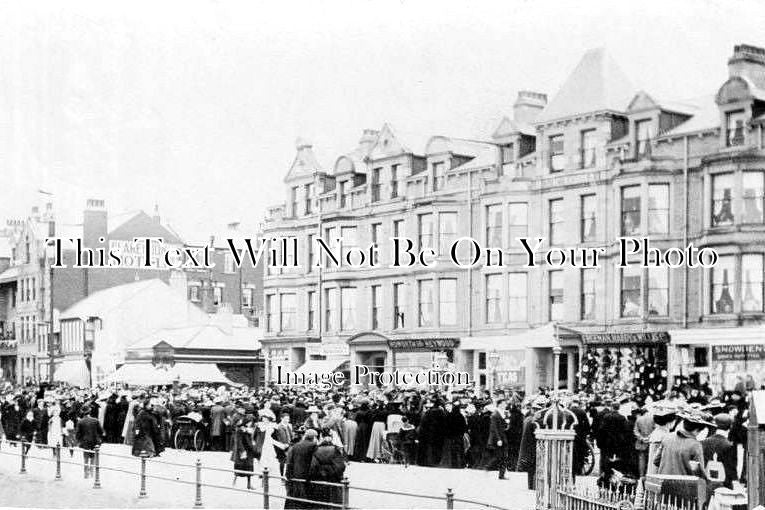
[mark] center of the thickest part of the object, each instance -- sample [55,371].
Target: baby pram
[392,450]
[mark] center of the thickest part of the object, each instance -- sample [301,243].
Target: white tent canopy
[73,372]
[144,374]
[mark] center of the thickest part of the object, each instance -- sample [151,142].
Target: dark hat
[723,421]
[697,417]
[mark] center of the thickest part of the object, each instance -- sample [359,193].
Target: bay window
[347,310]
[518,297]
[658,291]
[493,299]
[589,227]
[447,301]
[556,221]
[494,226]
[723,285]
[425,231]
[589,278]
[447,232]
[557,158]
[517,222]
[630,210]
[555,295]
[751,281]
[722,200]
[425,303]
[658,208]
[753,194]
[287,312]
[734,128]
[630,292]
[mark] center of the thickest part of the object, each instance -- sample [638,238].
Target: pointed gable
[393,143]
[596,84]
[305,162]
[508,127]
[143,225]
[642,101]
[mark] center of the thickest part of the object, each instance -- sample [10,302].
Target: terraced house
[599,161]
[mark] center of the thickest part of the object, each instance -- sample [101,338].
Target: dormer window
[394,181]
[375,185]
[734,128]
[587,156]
[643,136]
[557,159]
[508,158]
[438,175]
[342,193]
[293,200]
[308,198]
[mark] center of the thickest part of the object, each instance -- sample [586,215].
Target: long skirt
[349,436]
[127,431]
[362,441]
[376,440]
[454,453]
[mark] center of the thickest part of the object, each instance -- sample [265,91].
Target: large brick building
[28,305]
[599,161]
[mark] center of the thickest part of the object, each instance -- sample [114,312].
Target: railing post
[23,469]
[57,452]
[198,499]
[346,493]
[449,499]
[265,488]
[97,467]
[142,493]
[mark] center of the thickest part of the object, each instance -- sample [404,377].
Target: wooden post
[97,467]
[265,488]
[23,469]
[198,498]
[346,493]
[57,452]
[755,451]
[142,493]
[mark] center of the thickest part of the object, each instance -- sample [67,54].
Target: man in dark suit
[284,436]
[298,467]
[89,434]
[496,444]
[41,422]
[718,444]
[614,438]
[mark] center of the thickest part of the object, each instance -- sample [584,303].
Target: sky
[195,106]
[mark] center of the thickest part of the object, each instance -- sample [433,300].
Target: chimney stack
[94,223]
[156,214]
[749,62]
[368,138]
[528,105]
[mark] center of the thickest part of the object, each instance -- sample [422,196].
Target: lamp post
[493,362]
[556,361]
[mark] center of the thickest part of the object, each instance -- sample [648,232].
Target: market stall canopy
[145,374]
[541,337]
[73,372]
[320,366]
[718,336]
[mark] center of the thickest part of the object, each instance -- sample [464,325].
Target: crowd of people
[307,435]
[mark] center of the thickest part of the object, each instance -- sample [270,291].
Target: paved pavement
[175,488]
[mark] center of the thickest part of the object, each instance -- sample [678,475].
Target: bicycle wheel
[178,440]
[199,441]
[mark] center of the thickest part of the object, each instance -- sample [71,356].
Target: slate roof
[208,336]
[706,116]
[596,84]
[144,225]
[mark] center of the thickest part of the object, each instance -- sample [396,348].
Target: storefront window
[556,221]
[658,208]
[630,210]
[287,317]
[630,298]
[493,299]
[658,291]
[723,285]
[753,197]
[555,292]
[447,232]
[518,305]
[589,231]
[447,301]
[751,274]
[517,222]
[425,303]
[494,226]
[589,277]
[722,200]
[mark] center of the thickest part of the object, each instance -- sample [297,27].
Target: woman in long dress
[243,450]
[127,428]
[377,437]
[55,430]
[349,434]
[266,442]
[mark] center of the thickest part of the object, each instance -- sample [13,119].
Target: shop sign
[424,344]
[640,337]
[738,352]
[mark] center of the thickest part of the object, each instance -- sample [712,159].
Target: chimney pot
[749,62]
[528,105]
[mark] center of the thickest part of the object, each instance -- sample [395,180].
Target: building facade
[601,161]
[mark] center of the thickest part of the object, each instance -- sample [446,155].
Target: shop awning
[718,336]
[73,372]
[541,337]
[189,373]
[320,366]
[142,374]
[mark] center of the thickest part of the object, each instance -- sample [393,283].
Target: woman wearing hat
[267,440]
[243,450]
[664,417]
[327,465]
[680,453]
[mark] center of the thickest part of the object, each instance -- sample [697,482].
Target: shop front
[634,362]
[405,355]
[719,357]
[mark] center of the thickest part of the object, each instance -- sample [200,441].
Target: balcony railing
[735,137]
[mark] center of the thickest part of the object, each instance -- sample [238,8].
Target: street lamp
[493,362]
[556,361]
